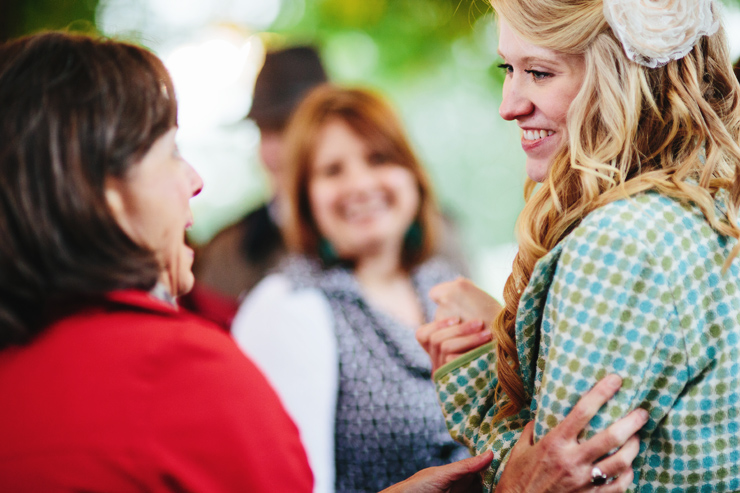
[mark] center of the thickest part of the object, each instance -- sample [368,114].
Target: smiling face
[152,205]
[361,202]
[539,87]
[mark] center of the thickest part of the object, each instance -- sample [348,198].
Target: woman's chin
[537,169]
[369,248]
[180,280]
[185,283]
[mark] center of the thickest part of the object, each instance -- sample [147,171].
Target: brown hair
[371,118]
[75,110]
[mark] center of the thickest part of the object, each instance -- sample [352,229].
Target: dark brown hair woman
[107,386]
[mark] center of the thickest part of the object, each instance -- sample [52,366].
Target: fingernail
[642,414]
[451,321]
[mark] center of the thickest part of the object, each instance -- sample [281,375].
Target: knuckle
[458,283]
[612,438]
[549,446]
[439,291]
[579,412]
[470,327]
[446,346]
[621,462]
[624,480]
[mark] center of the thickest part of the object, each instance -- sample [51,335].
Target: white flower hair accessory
[655,32]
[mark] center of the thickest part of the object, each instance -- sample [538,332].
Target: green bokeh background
[435,60]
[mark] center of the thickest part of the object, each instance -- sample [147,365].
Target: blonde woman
[627,261]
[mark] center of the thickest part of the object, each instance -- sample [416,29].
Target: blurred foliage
[409,34]
[19,17]
[434,59]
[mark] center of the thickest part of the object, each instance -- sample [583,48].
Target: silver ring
[598,477]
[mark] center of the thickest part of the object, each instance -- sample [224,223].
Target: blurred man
[239,256]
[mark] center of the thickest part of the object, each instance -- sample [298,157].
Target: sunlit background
[434,59]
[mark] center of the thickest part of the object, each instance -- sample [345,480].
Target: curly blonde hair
[674,129]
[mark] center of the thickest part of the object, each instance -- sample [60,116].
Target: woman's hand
[461,324]
[445,340]
[461,476]
[555,464]
[461,298]
[559,464]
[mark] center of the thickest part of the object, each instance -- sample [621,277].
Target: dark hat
[285,78]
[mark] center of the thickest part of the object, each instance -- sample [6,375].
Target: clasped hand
[462,321]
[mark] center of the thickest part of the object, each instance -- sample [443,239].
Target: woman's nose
[195,180]
[515,103]
[361,177]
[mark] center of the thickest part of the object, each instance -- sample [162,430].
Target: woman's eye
[377,158]
[506,68]
[537,75]
[331,170]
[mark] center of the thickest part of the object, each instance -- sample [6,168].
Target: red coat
[131,395]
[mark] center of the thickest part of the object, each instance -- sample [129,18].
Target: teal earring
[414,237]
[327,253]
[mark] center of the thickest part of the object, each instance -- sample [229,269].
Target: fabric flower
[655,32]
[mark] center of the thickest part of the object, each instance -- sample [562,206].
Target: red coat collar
[139,299]
[128,299]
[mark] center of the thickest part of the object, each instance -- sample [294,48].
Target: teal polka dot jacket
[638,290]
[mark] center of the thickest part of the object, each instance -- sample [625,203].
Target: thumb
[528,434]
[473,465]
[525,442]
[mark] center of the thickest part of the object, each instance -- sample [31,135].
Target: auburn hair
[373,120]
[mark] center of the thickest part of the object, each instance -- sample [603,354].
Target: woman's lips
[533,145]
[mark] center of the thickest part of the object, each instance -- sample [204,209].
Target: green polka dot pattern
[638,290]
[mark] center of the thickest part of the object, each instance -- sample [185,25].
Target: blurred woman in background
[334,330]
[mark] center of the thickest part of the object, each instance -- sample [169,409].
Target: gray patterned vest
[388,422]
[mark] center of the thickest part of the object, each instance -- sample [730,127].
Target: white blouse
[289,332]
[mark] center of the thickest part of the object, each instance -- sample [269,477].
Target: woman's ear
[114,193]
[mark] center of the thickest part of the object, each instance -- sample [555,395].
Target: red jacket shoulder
[144,392]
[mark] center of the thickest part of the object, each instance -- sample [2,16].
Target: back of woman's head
[646,117]
[75,111]
[374,121]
